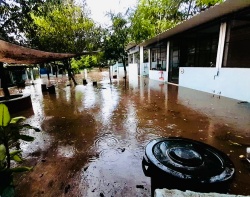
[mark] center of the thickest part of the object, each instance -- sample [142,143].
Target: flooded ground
[93,138]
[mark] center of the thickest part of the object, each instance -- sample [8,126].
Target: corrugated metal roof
[208,15]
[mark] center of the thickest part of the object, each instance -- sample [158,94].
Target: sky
[99,8]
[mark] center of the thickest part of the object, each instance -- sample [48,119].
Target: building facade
[209,52]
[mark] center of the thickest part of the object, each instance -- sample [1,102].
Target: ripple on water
[66,151]
[145,135]
[138,152]
[105,142]
[145,138]
[110,155]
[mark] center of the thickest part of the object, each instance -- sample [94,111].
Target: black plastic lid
[188,159]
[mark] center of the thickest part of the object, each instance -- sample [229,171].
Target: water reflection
[110,99]
[89,98]
[93,138]
[66,151]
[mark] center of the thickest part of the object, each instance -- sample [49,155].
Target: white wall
[230,82]
[121,73]
[114,69]
[198,78]
[133,70]
[133,74]
[235,83]
[158,75]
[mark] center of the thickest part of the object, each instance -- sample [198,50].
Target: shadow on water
[94,138]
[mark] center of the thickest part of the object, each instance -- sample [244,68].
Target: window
[237,46]
[153,55]
[145,55]
[137,57]
[130,58]
[195,49]
[158,58]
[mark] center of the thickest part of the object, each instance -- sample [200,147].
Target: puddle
[93,138]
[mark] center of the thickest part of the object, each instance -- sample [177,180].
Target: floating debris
[86,168]
[242,102]
[234,143]
[101,195]
[238,136]
[67,189]
[140,186]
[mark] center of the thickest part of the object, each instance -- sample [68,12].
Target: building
[209,52]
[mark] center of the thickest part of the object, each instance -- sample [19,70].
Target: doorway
[174,62]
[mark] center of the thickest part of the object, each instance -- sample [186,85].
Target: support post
[4,82]
[32,77]
[141,61]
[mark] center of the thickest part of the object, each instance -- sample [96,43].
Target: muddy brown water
[93,138]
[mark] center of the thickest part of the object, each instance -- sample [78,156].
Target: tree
[116,40]
[87,61]
[64,28]
[15,19]
[152,17]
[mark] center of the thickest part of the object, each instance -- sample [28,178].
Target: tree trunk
[110,76]
[124,66]
[47,71]
[4,82]
[69,72]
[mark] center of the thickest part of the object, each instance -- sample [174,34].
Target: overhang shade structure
[15,54]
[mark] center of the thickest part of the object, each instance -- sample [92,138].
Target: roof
[208,15]
[15,54]
[130,45]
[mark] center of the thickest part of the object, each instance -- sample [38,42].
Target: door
[174,62]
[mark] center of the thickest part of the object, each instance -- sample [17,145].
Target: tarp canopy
[15,54]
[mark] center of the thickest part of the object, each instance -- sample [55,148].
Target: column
[142,71]
[221,45]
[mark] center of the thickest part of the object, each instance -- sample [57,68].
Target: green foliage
[9,137]
[15,19]
[2,155]
[207,3]
[116,39]
[4,115]
[64,28]
[87,61]
[152,17]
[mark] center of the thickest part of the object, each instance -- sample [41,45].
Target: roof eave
[208,15]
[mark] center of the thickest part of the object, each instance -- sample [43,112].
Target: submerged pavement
[93,138]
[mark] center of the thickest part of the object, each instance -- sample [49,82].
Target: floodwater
[93,138]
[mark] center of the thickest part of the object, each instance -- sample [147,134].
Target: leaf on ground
[238,136]
[234,143]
